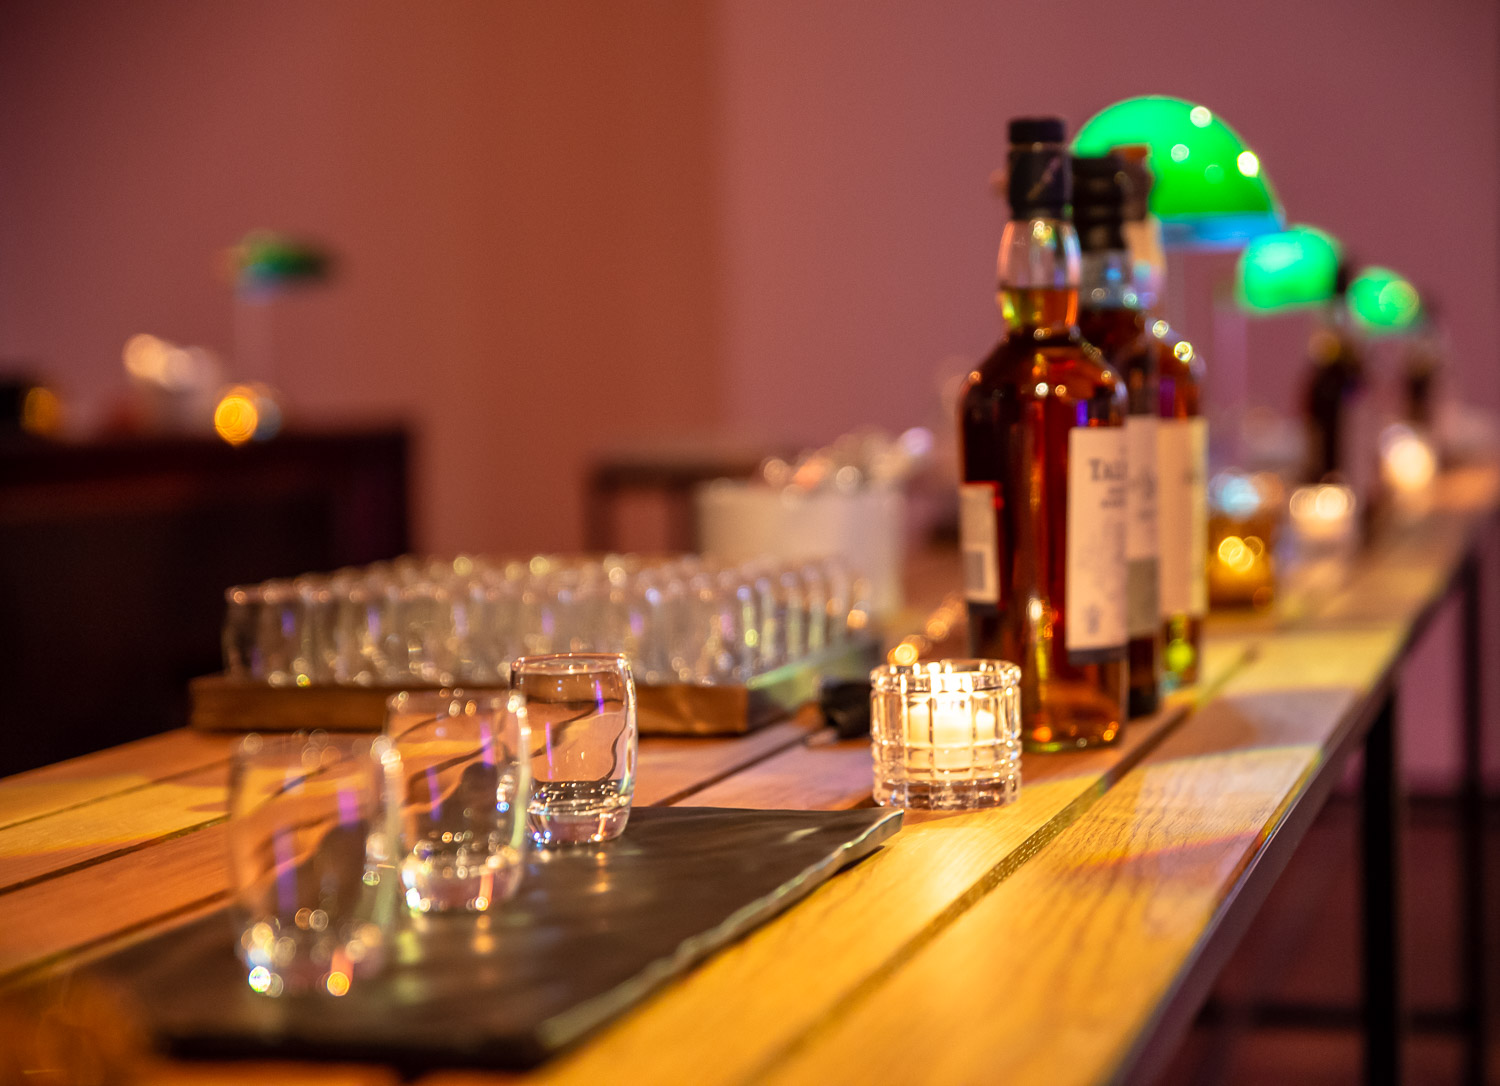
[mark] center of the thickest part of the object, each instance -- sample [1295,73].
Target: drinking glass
[815,606]
[311,856]
[461,790]
[242,645]
[581,711]
[282,637]
[319,619]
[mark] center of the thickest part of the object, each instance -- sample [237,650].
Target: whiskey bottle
[1181,505]
[1181,444]
[1110,317]
[1042,502]
[1338,442]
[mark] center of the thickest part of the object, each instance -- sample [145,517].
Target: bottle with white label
[1043,500]
[1111,317]
[1182,507]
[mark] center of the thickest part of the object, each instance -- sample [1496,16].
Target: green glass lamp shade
[1210,190]
[1294,269]
[264,260]
[1383,302]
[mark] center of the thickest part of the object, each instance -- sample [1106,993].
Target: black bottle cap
[1038,182]
[1025,130]
[1099,191]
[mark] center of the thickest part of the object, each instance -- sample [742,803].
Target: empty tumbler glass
[311,851]
[462,795]
[242,649]
[580,709]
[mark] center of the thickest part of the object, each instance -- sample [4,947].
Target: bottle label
[1142,595]
[979,542]
[1095,575]
[1182,513]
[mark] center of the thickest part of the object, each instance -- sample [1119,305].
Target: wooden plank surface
[1072,952]
[1112,863]
[108,772]
[727,1018]
[100,822]
[43,923]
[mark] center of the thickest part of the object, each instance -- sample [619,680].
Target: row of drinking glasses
[326,833]
[434,621]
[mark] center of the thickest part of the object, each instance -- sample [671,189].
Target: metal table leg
[1471,927]
[1381,878]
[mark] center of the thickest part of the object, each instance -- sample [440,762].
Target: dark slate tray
[590,933]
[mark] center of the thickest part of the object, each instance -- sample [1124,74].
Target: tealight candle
[1323,514]
[946,735]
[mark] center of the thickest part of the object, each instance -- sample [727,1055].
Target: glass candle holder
[947,735]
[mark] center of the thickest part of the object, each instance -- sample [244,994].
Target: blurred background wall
[571,225]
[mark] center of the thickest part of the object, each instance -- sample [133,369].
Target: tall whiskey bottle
[1182,448]
[1042,504]
[1339,442]
[1110,317]
[1181,505]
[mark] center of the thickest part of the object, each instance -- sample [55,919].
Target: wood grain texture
[726,1019]
[108,772]
[112,826]
[908,967]
[106,814]
[71,914]
[165,1073]
[1050,977]
[672,769]
[158,848]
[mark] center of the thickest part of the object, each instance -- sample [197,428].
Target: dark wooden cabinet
[114,557]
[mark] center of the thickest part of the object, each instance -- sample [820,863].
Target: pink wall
[569,224]
[857,139]
[522,195]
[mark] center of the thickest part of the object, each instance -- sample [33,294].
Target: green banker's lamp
[1383,303]
[1295,269]
[1210,191]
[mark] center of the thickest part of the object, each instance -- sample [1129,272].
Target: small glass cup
[311,855]
[947,735]
[581,712]
[461,790]
[242,647]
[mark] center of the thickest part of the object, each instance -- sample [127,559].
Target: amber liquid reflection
[1120,334]
[1015,413]
[1178,373]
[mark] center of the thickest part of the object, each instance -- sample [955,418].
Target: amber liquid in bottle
[1017,415]
[1120,334]
[1181,465]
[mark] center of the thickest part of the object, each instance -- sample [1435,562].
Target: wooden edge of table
[148,843]
[91,777]
[1118,903]
[982,862]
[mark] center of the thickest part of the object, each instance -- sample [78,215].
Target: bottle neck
[1107,281]
[1038,272]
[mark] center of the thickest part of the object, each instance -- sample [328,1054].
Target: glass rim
[274,747]
[570,663]
[937,676]
[421,698]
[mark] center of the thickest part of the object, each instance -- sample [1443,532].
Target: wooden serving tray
[223,704]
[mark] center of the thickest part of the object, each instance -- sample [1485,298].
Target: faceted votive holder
[946,736]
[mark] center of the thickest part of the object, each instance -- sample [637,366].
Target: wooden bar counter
[1069,938]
